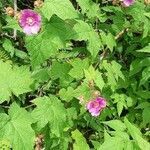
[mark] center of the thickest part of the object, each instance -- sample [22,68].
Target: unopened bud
[18,15]
[81,99]
[38,3]
[147,2]
[115,2]
[91,84]
[96,94]
[10,11]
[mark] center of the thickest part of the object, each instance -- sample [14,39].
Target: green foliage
[50,111]
[85,49]
[89,8]
[78,69]
[137,136]
[85,32]
[52,7]
[14,79]
[46,44]
[116,125]
[16,127]
[79,141]
[146,49]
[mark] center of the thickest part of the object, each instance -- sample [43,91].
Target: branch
[15,11]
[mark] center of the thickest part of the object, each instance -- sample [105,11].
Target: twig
[121,33]
[15,11]
[39,142]
[29,106]
[4,106]
[7,35]
[96,21]
[102,56]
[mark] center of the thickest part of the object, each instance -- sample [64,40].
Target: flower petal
[27,30]
[35,29]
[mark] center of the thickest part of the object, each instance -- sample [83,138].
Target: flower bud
[10,11]
[147,2]
[91,84]
[17,15]
[96,94]
[115,2]
[81,99]
[38,3]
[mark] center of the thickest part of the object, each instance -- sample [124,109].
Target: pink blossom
[96,106]
[30,21]
[127,3]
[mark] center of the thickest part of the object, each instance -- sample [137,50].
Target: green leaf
[146,115]
[80,141]
[145,49]
[113,73]
[143,105]
[95,144]
[83,91]
[108,40]
[64,9]
[120,99]
[14,79]
[95,75]
[116,125]
[41,75]
[78,70]
[66,94]
[5,144]
[114,143]
[122,134]
[136,135]
[59,70]
[53,37]
[145,75]
[9,47]
[12,23]
[85,32]
[89,7]
[131,146]
[16,127]
[50,110]
[138,64]
[120,107]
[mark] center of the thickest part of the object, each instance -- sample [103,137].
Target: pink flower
[30,21]
[96,106]
[127,3]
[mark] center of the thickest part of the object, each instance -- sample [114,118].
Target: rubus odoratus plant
[75,74]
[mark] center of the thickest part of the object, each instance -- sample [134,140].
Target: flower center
[30,21]
[95,105]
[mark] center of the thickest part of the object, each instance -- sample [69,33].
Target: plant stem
[15,11]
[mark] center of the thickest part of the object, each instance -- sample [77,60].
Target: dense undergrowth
[51,80]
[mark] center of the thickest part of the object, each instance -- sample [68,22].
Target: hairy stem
[15,11]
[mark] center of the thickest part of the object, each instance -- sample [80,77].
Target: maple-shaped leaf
[137,135]
[80,141]
[89,7]
[53,36]
[85,32]
[60,71]
[16,127]
[64,9]
[50,110]
[95,75]
[78,70]
[13,79]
